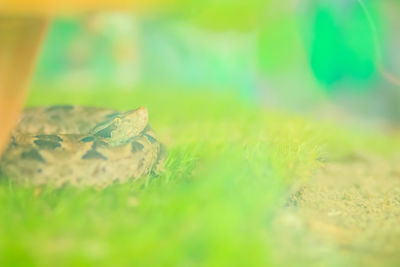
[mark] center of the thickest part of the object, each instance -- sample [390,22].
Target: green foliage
[221,15]
[337,51]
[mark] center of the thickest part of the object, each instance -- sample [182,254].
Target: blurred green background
[294,55]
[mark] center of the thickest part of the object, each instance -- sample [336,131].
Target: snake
[81,146]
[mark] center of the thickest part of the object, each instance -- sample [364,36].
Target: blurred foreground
[243,186]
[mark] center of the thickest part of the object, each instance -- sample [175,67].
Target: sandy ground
[347,215]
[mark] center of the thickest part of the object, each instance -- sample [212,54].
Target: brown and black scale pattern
[37,155]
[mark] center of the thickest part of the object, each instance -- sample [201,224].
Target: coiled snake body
[82,146]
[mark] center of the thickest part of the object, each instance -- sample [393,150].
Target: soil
[349,213]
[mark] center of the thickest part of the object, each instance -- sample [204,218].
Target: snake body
[83,146]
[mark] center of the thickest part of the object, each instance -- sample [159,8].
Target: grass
[230,169]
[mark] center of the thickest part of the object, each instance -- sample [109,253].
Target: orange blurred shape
[49,7]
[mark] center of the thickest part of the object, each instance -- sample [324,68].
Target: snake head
[123,127]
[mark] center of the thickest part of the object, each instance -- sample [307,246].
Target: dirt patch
[351,207]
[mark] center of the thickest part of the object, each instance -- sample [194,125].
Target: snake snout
[142,111]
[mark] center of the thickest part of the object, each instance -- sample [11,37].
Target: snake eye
[117,121]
